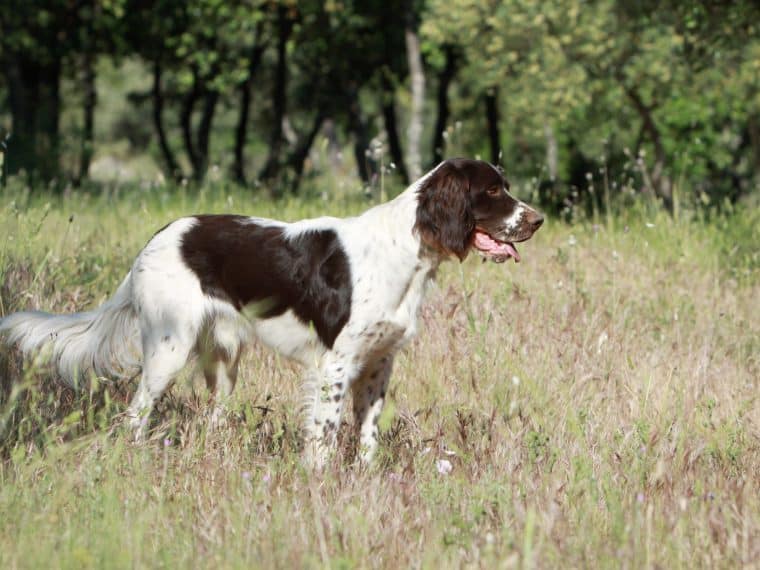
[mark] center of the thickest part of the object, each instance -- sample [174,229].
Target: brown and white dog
[341,296]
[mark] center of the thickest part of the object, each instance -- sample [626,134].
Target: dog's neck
[398,217]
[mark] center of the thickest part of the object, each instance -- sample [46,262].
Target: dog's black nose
[535,220]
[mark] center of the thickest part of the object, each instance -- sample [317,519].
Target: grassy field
[597,405]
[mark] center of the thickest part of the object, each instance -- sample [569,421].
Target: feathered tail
[104,341]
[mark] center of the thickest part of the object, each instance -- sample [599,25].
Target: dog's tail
[104,341]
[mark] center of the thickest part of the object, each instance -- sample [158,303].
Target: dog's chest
[387,303]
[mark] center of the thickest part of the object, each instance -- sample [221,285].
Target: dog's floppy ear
[444,216]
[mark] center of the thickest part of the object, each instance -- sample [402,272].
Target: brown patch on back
[242,262]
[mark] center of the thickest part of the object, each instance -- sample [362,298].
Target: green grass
[598,403]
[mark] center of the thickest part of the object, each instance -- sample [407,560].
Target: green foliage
[669,90]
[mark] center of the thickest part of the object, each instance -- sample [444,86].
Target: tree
[35,38]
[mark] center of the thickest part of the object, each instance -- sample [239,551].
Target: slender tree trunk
[493,125]
[552,154]
[391,128]
[276,139]
[241,130]
[660,180]
[90,101]
[158,124]
[388,94]
[358,127]
[333,144]
[417,75]
[442,96]
[186,123]
[753,133]
[210,100]
[34,96]
[299,155]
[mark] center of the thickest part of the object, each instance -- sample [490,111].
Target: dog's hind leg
[165,355]
[221,356]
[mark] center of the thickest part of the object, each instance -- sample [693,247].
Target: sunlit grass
[598,404]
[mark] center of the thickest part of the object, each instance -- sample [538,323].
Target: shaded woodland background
[658,96]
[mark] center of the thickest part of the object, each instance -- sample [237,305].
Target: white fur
[103,341]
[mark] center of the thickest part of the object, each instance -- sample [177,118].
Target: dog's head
[465,204]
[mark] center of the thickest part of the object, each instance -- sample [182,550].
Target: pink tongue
[500,251]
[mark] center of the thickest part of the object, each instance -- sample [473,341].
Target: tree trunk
[158,123]
[241,130]
[210,100]
[298,158]
[492,124]
[391,128]
[186,123]
[33,93]
[358,127]
[660,181]
[276,140]
[88,132]
[552,154]
[444,80]
[753,133]
[417,75]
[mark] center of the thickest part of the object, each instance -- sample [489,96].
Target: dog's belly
[290,337]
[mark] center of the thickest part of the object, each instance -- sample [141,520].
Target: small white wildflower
[600,342]
[443,466]
[395,477]
[490,538]
[649,224]
[426,451]
[515,381]
[571,240]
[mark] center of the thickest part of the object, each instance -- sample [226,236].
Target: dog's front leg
[368,397]
[326,388]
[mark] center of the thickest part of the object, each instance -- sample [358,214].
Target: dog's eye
[495,191]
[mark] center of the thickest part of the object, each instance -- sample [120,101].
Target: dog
[339,295]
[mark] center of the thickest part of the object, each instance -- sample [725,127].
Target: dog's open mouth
[493,249]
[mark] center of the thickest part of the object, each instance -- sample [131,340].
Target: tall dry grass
[594,406]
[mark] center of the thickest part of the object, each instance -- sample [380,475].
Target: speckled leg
[369,396]
[326,391]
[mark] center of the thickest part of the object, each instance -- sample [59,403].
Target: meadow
[595,406]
